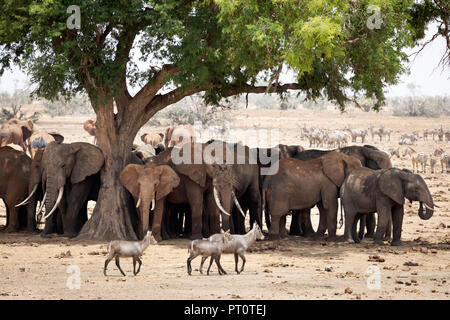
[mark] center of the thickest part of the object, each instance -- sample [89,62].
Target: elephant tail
[341,221]
[265,213]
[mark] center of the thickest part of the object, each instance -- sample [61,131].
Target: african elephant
[17,132]
[149,183]
[90,126]
[39,139]
[14,180]
[383,191]
[205,184]
[153,139]
[246,176]
[70,175]
[304,184]
[178,135]
[370,157]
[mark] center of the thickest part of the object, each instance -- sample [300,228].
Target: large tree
[220,48]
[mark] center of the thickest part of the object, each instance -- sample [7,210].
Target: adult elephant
[149,184]
[70,176]
[17,132]
[383,191]
[152,138]
[369,156]
[14,180]
[205,185]
[90,127]
[246,191]
[40,139]
[178,135]
[304,184]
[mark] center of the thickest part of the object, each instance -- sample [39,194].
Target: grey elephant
[383,191]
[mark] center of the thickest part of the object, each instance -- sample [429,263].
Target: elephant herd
[199,197]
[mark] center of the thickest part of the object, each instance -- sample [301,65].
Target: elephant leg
[383,220]
[118,266]
[370,225]
[274,230]
[283,231]
[322,221]
[51,225]
[255,205]
[295,228]
[397,222]
[354,227]
[157,219]
[350,214]
[362,225]
[72,220]
[196,204]
[213,215]
[388,234]
[13,223]
[306,225]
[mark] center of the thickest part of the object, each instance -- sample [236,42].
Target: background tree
[218,48]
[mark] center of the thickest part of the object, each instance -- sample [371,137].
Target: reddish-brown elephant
[89,126]
[152,138]
[17,132]
[39,139]
[178,135]
[14,180]
[149,184]
[304,184]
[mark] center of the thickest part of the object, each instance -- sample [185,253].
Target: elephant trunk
[428,213]
[144,213]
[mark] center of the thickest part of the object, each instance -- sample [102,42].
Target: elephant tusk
[139,202]
[28,198]
[216,197]
[58,200]
[153,204]
[237,203]
[429,208]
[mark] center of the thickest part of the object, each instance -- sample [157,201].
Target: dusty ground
[294,268]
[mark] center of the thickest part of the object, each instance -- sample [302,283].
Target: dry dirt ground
[293,268]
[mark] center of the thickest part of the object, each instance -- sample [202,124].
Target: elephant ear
[129,178]
[376,159]
[59,138]
[334,167]
[168,180]
[195,172]
[27,131]
[89,160]
[391,184]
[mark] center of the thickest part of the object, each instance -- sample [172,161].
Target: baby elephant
[206,249]
[383,191]
[122,248]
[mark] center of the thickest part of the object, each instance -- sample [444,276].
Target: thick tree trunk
[112,216]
